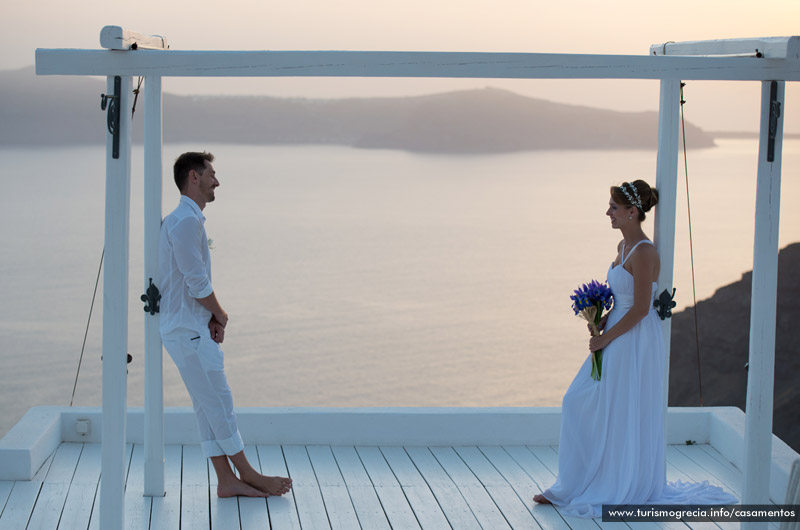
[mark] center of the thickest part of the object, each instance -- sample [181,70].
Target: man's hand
[217,330]
[221,318]
[211,303]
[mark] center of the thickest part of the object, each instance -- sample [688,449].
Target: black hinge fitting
[112,120]
[151,298]
[664,304]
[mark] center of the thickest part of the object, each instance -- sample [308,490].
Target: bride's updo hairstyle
[637,193]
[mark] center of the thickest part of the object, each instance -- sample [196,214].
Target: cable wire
[88,321]
[691,248]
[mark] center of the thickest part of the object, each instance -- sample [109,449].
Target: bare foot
[541,499]
[270,485]
[236,487]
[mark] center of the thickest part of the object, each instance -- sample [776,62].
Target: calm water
[361,278]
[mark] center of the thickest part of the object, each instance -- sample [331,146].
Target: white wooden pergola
[771,61]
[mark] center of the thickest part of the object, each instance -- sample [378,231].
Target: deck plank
[65,461]
[78,506]
[53,494]
[513,509]
[341,512]
[351,467]
[85,490]
[166,511]
[282,510]
[20,504]
[307,494]
[539,473]
[394,501]
[49,506]
[477,498]
[422,500]
[365,500]
[41,473]
[455,508]
[5,490]
[195,504]
[520,481]
[547,455]
[137,506]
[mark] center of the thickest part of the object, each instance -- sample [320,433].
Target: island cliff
[724,333]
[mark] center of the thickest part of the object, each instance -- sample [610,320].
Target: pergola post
[153,377]
[763,302]
[115,304]
[667,185]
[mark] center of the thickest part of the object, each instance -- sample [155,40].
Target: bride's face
[619,214]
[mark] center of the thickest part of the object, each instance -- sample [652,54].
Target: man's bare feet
[236,488]
[269,485]
[541,499]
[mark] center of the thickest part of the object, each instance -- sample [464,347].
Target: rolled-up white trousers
[200,362]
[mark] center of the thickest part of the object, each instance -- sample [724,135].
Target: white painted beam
[763,310]
[153,352]
[117,38]
[409,64]
[115,315]
[768,47]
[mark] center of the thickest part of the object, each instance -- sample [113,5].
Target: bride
[611,448]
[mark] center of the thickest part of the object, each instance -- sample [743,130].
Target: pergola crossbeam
[409,64]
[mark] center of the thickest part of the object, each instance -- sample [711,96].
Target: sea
[361,278]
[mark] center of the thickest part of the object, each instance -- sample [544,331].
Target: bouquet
[588,302]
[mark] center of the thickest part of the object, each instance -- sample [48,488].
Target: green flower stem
[597,356]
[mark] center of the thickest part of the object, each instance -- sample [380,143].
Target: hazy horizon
[626,27]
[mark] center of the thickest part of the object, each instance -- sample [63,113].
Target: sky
[578,26]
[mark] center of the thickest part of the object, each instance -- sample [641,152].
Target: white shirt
[184,264]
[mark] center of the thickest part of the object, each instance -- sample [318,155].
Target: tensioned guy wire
[691,248]
[88,321]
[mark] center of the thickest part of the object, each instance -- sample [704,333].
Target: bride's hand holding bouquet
[597,343]
[589,301]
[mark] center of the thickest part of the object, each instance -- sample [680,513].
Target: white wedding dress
[611,447]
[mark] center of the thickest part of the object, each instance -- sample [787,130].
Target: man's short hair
[188,162]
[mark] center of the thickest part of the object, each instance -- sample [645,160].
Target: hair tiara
[634,198]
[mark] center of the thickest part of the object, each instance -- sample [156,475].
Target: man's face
[207,181]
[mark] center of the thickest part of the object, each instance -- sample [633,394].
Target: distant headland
[64,110]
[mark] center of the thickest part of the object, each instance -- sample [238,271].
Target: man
[193,325]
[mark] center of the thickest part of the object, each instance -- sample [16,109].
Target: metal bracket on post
[112,102]
[151,298]
[774,114]
[664,304]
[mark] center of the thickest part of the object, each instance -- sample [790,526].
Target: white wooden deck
[336,487]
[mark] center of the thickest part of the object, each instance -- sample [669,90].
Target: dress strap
[624,257]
